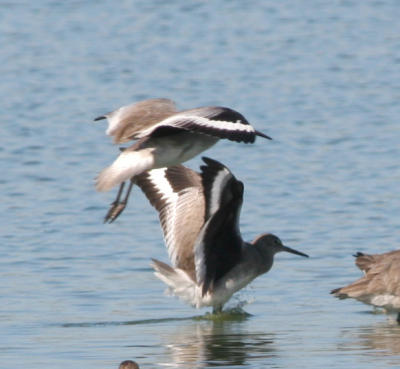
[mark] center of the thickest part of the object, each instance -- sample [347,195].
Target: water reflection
[217,343]
[383,338]
[377,341]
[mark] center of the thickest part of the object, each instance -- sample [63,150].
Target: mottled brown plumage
[186,183]
[380,285]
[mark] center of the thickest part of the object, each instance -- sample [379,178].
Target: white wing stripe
[157,176]
[182,120]
[218,187]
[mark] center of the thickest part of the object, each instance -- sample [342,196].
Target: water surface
[322,78]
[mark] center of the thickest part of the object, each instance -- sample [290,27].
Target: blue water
[321,77]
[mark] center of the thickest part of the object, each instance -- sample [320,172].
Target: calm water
[321,77]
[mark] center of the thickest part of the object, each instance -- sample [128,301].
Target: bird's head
[270,244]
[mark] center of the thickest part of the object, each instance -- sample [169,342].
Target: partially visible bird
[128,364]
[164,137]
[199,214]
[380,285]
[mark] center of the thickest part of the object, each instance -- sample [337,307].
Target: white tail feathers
[127,165]
[179,283]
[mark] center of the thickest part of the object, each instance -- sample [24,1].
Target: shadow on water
[234,314]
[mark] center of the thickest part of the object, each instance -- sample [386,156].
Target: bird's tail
[338,293]
[354,290]
[179,282]
[127,165]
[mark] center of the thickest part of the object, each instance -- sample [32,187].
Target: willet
[165,137]
[199,214]
[380,285]
[128,364]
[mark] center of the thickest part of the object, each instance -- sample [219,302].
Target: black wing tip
[212,166]
[239,188]
[358,254]
[100,118]
[210,162]
[336,291]
[340,295]
[259,133]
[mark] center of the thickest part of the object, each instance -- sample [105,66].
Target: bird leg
[110,216]
[398,318]
[217,309]
[117,206]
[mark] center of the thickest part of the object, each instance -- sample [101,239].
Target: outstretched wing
[213,120]
[218,247]
[176,192]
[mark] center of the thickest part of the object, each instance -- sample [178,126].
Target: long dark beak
[258,133]
[100,117]
[293,251]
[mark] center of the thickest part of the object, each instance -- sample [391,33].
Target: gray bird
[199,214]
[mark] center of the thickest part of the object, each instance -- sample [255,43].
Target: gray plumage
[199,214]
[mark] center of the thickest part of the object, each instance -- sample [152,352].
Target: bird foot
[115,210]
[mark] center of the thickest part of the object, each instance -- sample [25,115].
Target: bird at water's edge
[380,285]
[199,214]
[165,137]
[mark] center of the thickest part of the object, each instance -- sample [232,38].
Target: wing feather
[219,122]
[176,192]
[218,247]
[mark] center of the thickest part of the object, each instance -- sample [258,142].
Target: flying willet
[165,137]
[380,285]
[199,215]
[128,364]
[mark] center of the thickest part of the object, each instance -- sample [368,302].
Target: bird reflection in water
[379,341]
[215,343]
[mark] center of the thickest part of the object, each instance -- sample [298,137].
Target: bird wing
[176,192]
[214,121]
[393,277]
[366,261]
[218,247]
[381,277]
[384,276]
